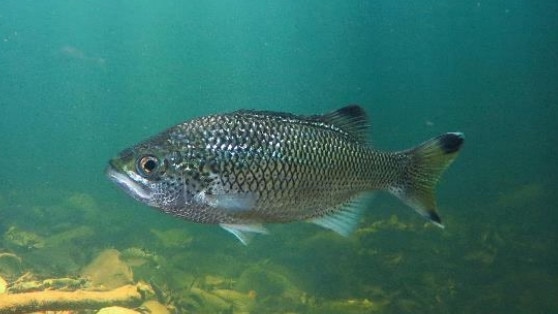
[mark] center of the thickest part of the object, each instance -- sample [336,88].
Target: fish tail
[427,161]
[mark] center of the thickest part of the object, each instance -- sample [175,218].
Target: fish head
[148,173]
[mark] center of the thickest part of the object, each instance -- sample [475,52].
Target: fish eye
[147,165]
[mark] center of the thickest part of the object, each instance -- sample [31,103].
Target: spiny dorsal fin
[351,119]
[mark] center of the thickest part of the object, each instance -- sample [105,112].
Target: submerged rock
[135,256]
[173,238]
[17,238]
[155,307]
[267,281]
[351,306]
[10,265]
[241,302]
[117,310]
[108,271]
[70,236]
[3,285]
[211,282]
[84,203]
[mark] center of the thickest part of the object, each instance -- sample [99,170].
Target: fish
[248,168]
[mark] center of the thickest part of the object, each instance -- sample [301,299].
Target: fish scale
[246,168]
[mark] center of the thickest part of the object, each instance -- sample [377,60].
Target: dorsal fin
[351,119]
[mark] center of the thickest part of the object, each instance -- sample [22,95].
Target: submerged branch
[128,296]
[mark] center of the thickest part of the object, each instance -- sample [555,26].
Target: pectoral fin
[229,202]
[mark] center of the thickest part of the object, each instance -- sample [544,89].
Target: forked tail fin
[427,162]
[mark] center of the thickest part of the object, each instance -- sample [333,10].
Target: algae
[173,238]
[10,265]
[390,264]
[18,239]
[107,271]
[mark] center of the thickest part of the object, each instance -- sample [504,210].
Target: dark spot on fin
[435,218]
[451,142]
[354,111]
[426,163]
[351,119]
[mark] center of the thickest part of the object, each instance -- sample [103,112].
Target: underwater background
[82,80]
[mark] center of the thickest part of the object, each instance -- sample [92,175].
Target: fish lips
[133,188]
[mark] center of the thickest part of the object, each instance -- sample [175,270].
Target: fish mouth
[131,187]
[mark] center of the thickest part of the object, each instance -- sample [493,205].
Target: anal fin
[343,220]
[244,233]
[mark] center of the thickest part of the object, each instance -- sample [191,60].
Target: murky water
[82,80]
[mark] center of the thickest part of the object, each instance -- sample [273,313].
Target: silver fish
[246,168]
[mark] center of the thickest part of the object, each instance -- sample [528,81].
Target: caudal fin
[427,162]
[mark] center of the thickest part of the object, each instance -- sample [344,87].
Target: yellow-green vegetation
[392,263]
[521,195]
[107,270]
[10,265]
[173,238]
[70,236]
[3,285]
[17,238]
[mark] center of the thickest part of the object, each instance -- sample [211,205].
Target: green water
[81,80]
